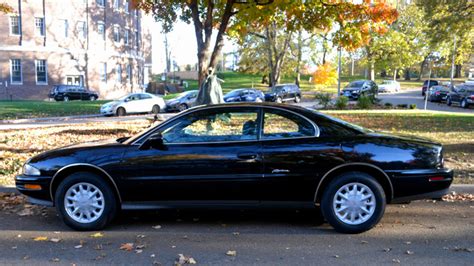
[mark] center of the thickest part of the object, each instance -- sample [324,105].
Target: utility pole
[339,72]
[452,62]
[427,93]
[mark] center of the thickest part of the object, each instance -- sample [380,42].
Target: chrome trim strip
[347,164]
[82,164]
[200,108]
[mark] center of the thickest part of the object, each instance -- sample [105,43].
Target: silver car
[182,102]
[134,103]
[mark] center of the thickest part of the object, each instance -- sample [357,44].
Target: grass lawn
[454,131]
[29,109]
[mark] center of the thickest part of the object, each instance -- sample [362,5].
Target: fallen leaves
[184,260]
[40,238]
[409,252]
[126,246]
[453,196]
[156,227]
[55,240]
[97,235]
[231,253]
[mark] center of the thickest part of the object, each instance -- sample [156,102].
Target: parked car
[182,102]
[284,92]
[134,103]
[389,86]
[239,155]
[461,94]
[72,92]
[425,85]
[359,88]
[244,95]
[438,94]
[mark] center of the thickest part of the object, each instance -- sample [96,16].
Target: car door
[132,104]
[146,102]
[293,156]
[208,155]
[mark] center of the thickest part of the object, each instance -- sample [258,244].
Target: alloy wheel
[354,203]
[84,202]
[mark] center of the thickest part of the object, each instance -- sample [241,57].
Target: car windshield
[185,94]
[123,97]
[277,89]
[234,93]
[356,84]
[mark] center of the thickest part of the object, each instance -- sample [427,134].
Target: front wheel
[464,103]
[121,111]
[182,107]
[92,98]
[66,99]
[85,202]
[155,109]
[278,100]
[353,202]
[297,99]
[449,102]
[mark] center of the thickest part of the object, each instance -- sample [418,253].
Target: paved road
[414,97]
[422,233]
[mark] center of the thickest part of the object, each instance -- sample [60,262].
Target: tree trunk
[407,74]
[422,68]
[299,58]
[395,74]
[457,71]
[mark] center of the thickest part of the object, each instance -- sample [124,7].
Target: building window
[103,72]
[15,25]
[15,72]
[116,34]
[65,28]
[118,73]
[137,39]
[116,4]
[81,29]
[39,26]
[101,3]
[126,36]
[41,72]
[101,30]
[129,73]
[126,5]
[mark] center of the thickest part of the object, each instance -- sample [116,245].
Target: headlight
[30,170]
[357,91]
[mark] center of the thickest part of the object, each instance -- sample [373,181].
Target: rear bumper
[420,184]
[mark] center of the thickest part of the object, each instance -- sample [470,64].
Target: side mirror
[155,141]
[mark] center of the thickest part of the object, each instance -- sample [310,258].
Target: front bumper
[350,94]
[38,194]
[420,184]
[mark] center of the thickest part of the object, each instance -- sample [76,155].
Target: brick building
[101,44]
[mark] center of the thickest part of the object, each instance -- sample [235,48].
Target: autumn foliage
[326,74]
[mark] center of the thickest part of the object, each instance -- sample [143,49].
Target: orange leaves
[325,75]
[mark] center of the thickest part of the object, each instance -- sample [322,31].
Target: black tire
[155,109]
[92,98]
[464,103]
[449,102]
[109,201]
[182,107]
[338,183]
[297,99]
[279,100]
[66,98]
[121,111]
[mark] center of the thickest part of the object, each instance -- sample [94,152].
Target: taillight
[437,93]
[472,97]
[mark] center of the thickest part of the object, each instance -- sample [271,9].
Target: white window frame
[11,73]
[137,39]
[103,72]
[101,23]
[65,28]
[19,25]
[45,71]
[126,6]
[116,5]
[40,31]
[82,31]
[100,3]
[118,73]
[129,74]
[116,30]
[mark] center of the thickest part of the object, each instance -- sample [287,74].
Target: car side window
[144,96]
[281,124]
[221,126]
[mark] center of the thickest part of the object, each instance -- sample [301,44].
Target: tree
[205,16]
[5,8]
[326,74]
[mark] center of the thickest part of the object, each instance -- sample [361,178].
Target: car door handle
[247,156]
[276,171]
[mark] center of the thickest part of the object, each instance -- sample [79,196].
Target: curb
[52,118]
[458,188]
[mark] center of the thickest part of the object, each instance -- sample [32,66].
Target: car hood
[112,103]
[75,150]
[351,89]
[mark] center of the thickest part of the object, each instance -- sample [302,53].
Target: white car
[389,86]
[134,103]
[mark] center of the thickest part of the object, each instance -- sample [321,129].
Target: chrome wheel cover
[354,203]
[84,203]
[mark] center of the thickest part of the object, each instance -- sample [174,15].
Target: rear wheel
[297,99]
[464,103]
[182,107]
[92,98]
[155,109]
[85,201]
[66,99]
[449,102]
[353,202]
[121,111]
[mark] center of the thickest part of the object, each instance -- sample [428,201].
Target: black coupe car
[239,155]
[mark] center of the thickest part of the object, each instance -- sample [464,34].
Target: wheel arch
[65,171]
[370,169]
